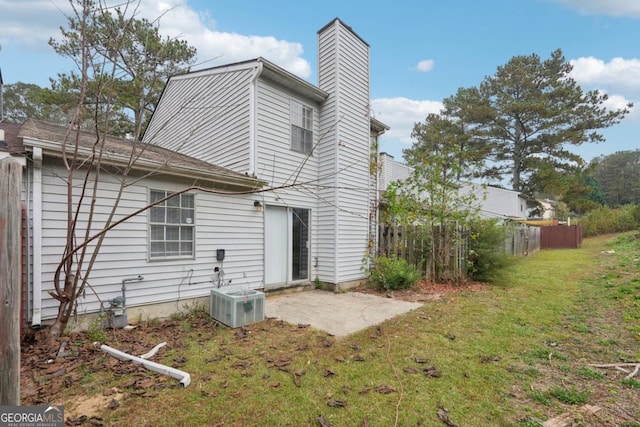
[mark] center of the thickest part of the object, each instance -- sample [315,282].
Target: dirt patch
[63,372]
[92,406]
[426,290]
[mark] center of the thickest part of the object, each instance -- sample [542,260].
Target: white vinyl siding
[171,226]
[223,222]
[344,71]
[279,165]
[206,115]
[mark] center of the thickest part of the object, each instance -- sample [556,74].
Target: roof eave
[291,81]
[218,180]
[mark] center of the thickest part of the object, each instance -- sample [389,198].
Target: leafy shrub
[392,274]
[608,220]
[486,255]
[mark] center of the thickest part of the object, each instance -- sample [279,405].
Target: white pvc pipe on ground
[183,377]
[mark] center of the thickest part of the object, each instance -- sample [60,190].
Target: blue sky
[421,50]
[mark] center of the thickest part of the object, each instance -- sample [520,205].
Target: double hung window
[172,225]
[301,127]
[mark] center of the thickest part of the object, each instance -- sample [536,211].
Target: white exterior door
[286,253]
[276,251]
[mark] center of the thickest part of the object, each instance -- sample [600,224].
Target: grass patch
[570,396]
[491,349]
[540,397]
[590,374]
[631,383]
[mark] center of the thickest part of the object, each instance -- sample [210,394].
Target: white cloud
[28,24]
[629,8]
[619,74]
[425,65]
[619,78]
[215,47]
[400,114]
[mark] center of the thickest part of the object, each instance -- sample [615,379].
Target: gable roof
[119,152]
[267,70]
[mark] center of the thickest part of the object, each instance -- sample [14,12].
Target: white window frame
[301,118]
[172,226]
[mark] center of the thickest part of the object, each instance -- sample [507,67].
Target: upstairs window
[172,226]
[301,127]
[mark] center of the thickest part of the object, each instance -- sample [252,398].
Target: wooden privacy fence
[522,240]
[561,237]
[416,245]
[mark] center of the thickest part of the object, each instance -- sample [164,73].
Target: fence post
[10,257]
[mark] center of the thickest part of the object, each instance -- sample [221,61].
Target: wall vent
[236,308]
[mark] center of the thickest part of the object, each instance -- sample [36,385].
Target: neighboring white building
[547,208]
[494,202]
[285,186]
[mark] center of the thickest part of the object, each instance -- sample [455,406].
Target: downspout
[36,217]
[183,377]
[253,119]
[377,200]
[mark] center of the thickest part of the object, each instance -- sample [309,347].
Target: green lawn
[514,354]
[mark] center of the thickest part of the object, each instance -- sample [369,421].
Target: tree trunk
[64,310]
[10,280]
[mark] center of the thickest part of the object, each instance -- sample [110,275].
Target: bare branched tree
[122,61]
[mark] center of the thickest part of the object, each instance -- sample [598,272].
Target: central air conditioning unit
[237,308]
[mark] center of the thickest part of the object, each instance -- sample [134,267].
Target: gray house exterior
[311,144]
[280,171]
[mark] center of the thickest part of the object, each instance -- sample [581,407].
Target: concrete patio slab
[339,314]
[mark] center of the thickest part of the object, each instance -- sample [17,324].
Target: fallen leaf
[282,362]
[384,389]
[144,383]
[488,359]
[297,375]
[323,422]
[337,403]
[443,414]
[432,372]
[78,421]
[328,373]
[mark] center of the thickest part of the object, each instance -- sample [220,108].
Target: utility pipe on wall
[36,212]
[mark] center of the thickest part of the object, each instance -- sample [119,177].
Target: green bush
[392,274]
[486,255]
[608,220]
